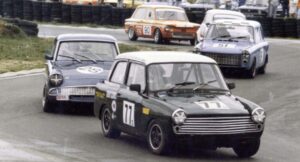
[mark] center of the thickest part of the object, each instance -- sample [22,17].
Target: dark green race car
[170,97]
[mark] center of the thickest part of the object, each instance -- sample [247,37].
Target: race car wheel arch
[106,124]
[159,137]
[246,149]
[157,36]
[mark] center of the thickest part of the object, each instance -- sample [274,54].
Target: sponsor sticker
[89,70]
[146,111]
[223,45]
[100,94]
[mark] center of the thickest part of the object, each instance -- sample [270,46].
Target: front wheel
[247,149]
[157,138]
[251,73]
[106,124]
[193,42]
[46,104]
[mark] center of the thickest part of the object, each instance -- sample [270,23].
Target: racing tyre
[262,70]
[157,36]
[251,73]
[193,41]
[106,124]
[157,138]
[47,105]
[132,35]
[247,149]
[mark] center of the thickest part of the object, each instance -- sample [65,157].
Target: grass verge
[27,53]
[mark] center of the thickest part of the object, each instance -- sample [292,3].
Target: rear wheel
[106,124]
[247,149]
[157,36]
[157,138]
[132,35]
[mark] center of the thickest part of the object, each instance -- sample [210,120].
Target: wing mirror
[231,85]
[48,55]
[135,87]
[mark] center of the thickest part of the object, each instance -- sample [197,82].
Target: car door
[139,17]
[148,23]
[132,100]
[115,84]
[261,50]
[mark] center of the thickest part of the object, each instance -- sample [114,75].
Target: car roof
[226,12]
[239,22]
[86,37]
[150,57]
[153,5]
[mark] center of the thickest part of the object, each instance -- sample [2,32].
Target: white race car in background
[217,14]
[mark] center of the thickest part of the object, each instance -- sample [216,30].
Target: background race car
[237,45]
[76,63]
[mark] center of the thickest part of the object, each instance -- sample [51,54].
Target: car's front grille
[218,125]
[77,91]
[225,59]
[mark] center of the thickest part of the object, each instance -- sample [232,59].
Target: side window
[149,14]
[258,36]
[140,13]
[119,73]
[137,76]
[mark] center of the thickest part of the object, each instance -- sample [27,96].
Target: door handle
[118,94]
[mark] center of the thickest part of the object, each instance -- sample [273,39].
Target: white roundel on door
[147,30]
[89,70]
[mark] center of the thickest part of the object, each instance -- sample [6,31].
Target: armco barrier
[28,10]
[108,15]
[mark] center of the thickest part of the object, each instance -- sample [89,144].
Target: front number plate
[62,98]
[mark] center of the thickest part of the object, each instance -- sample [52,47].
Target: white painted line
[23,73]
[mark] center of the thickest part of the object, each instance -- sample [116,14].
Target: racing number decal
[147,30]
[128,113]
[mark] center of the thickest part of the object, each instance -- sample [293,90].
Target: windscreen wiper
[71,57]
[203,85]
[177,85]
[86,57]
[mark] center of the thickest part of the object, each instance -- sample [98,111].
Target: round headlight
[56,79]
[258,115]
[246,54]
[178,116]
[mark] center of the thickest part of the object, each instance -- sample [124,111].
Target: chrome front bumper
[66,93]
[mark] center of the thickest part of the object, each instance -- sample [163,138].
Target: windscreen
[83,51]
[171,14]
[218,31]
[166,76]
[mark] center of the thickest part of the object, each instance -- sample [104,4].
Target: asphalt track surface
[29,134]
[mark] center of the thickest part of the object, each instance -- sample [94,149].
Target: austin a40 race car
[75,65]
[170,97]
[236,45]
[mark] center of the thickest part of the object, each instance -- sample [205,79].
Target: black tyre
[247,149]
[193,42]
[251,73]
[262,70]
[157,36]
[132,35]
[106,124]
[167,41]
[157,138]
[47,105]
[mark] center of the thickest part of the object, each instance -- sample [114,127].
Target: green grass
[27,53]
